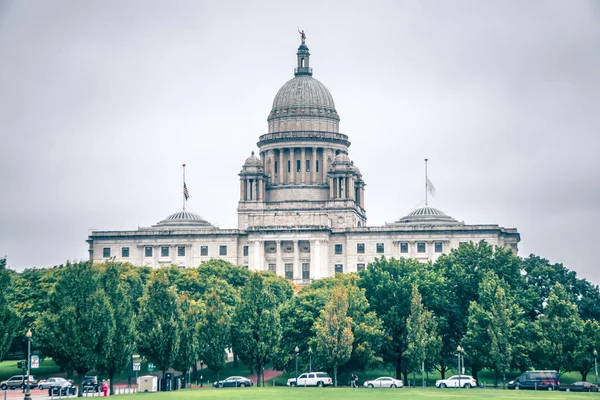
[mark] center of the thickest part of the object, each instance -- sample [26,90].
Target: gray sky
[102,101]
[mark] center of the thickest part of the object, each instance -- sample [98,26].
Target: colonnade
[296,165]
[252,188]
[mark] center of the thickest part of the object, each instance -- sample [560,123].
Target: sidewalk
[269,374]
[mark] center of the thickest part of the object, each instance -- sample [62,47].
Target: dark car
[233,381]
[580,387]
[90,384]
[536,380]
[62,388]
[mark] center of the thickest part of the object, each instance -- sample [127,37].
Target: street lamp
[27,394]
[296,350]
[309,359]
[596,365]
[459,351]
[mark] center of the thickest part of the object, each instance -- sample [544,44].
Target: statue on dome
[302,35]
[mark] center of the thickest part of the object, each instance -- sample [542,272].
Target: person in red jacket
[105,388]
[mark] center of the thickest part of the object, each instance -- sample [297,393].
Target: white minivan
[319,379]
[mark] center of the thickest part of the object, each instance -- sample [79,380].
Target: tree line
[507,313]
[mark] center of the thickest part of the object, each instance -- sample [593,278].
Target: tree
[583,360]
[9,321]
[189,318]
[115,354]
[214,332]
[256,324]
[334,336]
[560,329]
[78,324]
[159,322]
[423,341]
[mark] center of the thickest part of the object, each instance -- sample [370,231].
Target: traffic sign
[137,366]
[150,367]
[35,361]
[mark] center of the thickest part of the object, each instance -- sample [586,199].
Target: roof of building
[184,219]
[304,91]
[429,216]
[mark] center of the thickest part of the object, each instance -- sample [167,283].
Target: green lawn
[347,393]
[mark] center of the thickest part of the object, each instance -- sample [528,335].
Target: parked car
[44,384]
[62,388]
[384,381]
[463,381]
[18,381]
[580,387]
[318,379]
[90,384]
[536,380]
[233,381]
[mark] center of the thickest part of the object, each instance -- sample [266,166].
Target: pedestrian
[354,380]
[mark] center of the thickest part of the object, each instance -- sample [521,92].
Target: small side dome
[253,161]
[342,162]
[426,216]
[183,219]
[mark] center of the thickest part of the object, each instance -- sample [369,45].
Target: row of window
[339,249]
[298,166]
[380,248]
[165,250]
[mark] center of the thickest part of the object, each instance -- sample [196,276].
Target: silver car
[47,383]
[384,381]
[18,381]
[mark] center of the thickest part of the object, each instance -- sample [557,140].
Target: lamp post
[596,365]
[296,350]
[309,359]
[27,394]
[459,351]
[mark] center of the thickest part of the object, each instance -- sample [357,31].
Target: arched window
[302,62]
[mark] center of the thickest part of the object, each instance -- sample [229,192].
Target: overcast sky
[102,101]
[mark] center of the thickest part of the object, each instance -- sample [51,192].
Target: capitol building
[301,212]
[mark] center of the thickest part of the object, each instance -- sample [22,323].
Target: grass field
[347,393]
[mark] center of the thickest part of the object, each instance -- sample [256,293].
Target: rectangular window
[289,271]
[317,166]
[273,268]
[298,165]
[148,251]
[106,252]
[339,249]
[439,247]
[276,167]
[360,267]
[339,268]
[289,166]
[360,248]
[203,250]
[222,250]
[125,252]
[380,248]
[164,251]
[403,247]
[305,271]
[421,248]
[307,165]
[181,251]
[245,251]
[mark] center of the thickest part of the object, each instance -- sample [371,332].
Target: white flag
[430,187]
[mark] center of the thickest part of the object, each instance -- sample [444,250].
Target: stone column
[315,259]
[331,189]
[313,168]
[297,267]
[241,189]
[303,165]
[324,166]
[281,167]
[351,189]
[257,265]
[292,167]
[279,268]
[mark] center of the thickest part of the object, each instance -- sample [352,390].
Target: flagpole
[426,182]
[183,186]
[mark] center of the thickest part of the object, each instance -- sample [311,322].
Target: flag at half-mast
[430,187]
[185,191]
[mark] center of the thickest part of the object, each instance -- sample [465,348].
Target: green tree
[583,359]
[214,332]
[189,318]
[423,340]
[115,354]
[9,321]
[256,324]
[159,322]
[78,325]
[333,328]
[560,328]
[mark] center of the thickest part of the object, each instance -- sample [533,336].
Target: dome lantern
[303,61]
